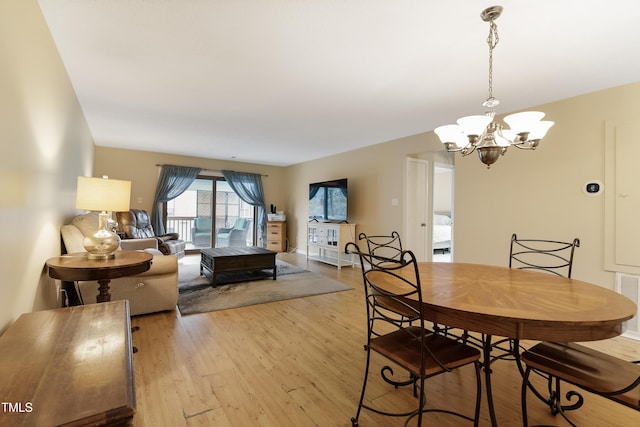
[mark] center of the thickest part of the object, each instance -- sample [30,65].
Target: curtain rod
[206,170]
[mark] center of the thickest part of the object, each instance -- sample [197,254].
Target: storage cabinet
[277,236]
[326,242]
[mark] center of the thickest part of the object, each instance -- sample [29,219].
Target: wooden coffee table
[216,261]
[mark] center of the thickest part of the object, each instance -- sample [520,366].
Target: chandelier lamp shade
[102,195]
[482,133]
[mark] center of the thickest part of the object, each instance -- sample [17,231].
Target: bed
[442,232]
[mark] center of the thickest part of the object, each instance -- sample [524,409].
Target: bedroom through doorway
[442,233]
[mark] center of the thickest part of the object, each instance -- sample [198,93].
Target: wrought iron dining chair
[411,346]
[550,256]
[389,247]
[591,370]
[383,246]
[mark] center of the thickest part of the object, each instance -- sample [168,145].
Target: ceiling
[285,81]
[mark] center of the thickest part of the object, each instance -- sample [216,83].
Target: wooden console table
[77,266]
[69,366]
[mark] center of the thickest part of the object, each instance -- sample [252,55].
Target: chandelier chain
[483,133]
[492,41]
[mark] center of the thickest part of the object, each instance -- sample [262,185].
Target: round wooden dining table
[519,304]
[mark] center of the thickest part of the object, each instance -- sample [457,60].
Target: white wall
[46,144]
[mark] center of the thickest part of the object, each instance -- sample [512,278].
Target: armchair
[201,231]
[136,224]
[234,236]
[148,292]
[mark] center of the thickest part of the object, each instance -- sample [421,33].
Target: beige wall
[45,144]
[539,193]
[288,188]
[375,176]
[140,167]
[536,194]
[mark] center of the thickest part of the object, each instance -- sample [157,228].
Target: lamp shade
[524,121]
[451,133]
[474,125]
[102,194]
[541,129]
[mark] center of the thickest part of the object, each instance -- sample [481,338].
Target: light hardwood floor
[300,363]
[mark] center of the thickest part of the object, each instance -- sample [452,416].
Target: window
[201,223]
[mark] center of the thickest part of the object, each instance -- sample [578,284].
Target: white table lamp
[103,195]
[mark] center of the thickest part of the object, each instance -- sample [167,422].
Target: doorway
[442,231]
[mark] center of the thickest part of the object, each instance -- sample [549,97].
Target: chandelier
[481,133]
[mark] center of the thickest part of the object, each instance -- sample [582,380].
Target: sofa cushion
[149,292]
[135,224]
[176,246]
[72,238]
[87,223]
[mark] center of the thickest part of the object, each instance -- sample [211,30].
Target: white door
[417,236]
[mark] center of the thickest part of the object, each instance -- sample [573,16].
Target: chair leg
[354,420]
[523,403]
[554,402]
[422,401]
[476,418]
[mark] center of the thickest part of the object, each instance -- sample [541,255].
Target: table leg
[486,365]
[103,291]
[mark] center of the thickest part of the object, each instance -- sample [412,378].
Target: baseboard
[632,334]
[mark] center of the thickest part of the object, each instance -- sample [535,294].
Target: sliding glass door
[210,214]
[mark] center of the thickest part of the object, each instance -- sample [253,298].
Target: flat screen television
[328,201]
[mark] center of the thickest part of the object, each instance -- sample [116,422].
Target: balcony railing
[181,225]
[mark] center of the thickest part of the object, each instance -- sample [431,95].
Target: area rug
[196,295]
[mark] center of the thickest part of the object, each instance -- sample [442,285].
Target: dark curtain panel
[313,190]
[173,181]
[248,186]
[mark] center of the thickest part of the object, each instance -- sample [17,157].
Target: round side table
[77,266]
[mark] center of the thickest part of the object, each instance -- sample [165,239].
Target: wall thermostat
[593,188]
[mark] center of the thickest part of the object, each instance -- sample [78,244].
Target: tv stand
[326,242]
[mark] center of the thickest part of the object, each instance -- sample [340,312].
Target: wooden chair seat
[404,348]
[589,369]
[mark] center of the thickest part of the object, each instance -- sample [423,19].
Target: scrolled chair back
[551,256]
[383,246]
[392,287]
